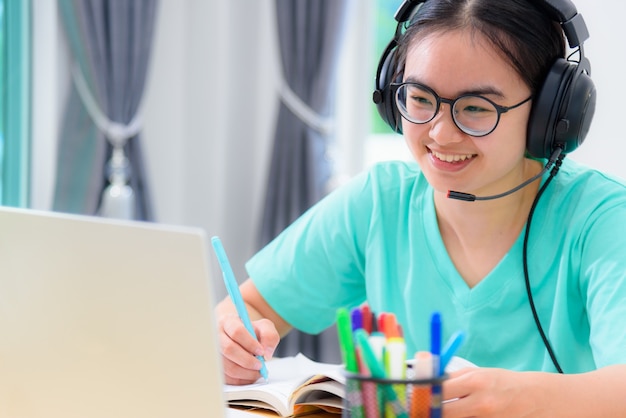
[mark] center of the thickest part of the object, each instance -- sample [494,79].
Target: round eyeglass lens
[416,104]
[475,115]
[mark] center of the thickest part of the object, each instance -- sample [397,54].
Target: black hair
[525,35]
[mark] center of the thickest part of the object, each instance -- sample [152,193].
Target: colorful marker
[420,396]
[376,370]
[395,366]
[348,354]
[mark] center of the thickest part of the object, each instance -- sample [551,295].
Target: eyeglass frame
[395,87]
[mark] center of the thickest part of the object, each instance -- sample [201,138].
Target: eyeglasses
[473,114]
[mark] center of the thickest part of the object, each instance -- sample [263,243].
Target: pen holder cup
[368,397]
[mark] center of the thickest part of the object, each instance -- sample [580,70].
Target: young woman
[535,276]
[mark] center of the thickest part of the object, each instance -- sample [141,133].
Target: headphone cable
[555,169]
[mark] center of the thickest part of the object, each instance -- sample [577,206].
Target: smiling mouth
[452,158]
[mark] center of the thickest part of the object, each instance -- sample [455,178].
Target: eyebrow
[481,90]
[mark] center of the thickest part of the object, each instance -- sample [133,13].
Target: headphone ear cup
[544,113]
[383,97]
[562,111]
[579,112]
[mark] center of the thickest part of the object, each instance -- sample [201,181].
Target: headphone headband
[572,23]
[562,11]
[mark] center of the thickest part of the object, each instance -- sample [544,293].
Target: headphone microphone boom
[471,198]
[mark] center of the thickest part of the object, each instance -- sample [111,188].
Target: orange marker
[420,396]
[392,330]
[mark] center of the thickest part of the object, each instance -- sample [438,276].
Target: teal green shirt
[377,239]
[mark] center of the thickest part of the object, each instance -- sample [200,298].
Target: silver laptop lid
[105,318]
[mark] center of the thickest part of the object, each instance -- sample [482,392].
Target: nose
[443,130]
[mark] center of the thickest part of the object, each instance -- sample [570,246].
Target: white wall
[606,141]
[210,106]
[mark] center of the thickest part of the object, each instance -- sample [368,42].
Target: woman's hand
[239,348]
[491,393]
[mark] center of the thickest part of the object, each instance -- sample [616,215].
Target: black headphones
[563,107]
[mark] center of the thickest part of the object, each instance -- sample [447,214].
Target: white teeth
[451,157]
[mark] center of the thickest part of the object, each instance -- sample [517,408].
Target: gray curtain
[110,44]
[310,34]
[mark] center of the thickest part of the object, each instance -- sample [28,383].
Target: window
[384,28]
[383,143]
[2,97]
[14,101]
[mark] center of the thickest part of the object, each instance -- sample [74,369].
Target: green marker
[346,343]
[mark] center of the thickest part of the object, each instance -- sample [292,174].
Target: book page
[325,391]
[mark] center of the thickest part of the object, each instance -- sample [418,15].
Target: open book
[298,386]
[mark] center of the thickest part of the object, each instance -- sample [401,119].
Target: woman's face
[456,63]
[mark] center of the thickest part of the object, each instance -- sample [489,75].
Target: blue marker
[435,350]
[235,295]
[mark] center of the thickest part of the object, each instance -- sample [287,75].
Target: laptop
[105,318]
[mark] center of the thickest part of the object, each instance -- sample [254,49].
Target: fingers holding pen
[268,337]
[265,332]
[239,348]
[234,374]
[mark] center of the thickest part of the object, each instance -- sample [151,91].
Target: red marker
[381,322]
[366,314]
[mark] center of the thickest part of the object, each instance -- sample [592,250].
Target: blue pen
[235,295]
[450,349]
[435,349]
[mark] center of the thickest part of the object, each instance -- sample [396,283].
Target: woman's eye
[421,101]
[475,109]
